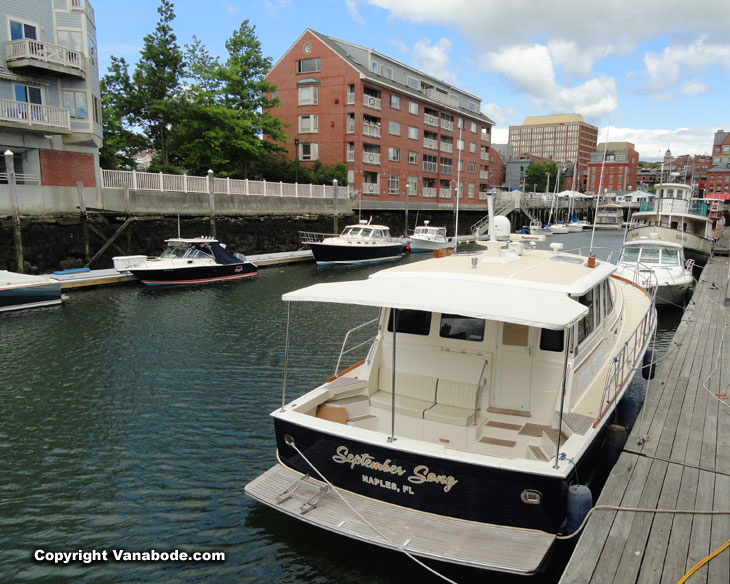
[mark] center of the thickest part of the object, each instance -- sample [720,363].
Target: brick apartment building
[619,171]
[718,176]
[401,132]
[50,107]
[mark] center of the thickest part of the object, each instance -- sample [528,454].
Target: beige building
[561,138]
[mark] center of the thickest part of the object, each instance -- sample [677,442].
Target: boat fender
[648,365]
[580,501]
[614,443]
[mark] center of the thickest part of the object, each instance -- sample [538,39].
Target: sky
[650,72]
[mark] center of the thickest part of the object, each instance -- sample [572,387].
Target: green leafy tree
[536,176]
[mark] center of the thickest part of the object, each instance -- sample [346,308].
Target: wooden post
[17,231]
[211,203]
[84,221]
[126,201]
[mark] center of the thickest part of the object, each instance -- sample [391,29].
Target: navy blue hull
[433,485]
[195,275]
[43,294]
[325,254]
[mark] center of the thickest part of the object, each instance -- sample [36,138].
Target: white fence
[150,181]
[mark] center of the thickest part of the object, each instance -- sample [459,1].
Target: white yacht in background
[609,216]
[429,238]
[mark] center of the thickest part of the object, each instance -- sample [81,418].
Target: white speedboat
[559,228]
[19,291]
[357,244]
[609,216]
[198,260]
[537,228]
[654,263]
[675,216]
[485,393]
[429,238]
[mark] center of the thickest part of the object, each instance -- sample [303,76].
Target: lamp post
[296,159]
[17,234]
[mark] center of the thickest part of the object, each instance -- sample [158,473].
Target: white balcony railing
[484,156]
[430,120]
[483,174]
[371,102]
[430,167]
[441,97]
[430,143]
[350,156]
[444,193]
[371,157]
[33,114]
[84,4]
[45,53]
[486,138]
[370,188]
[429,192]
[447,169]
[447,147]
[447,125]
[350,98]
[350,126]
[372,130]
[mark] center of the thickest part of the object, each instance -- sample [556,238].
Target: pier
[677,458]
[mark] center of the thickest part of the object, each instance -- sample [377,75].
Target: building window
[460,144]
[394,128]
[460,123]
[92,51]
[413,83]
[472,167]
[97,110]
[474,127]
[393,184]
[309,95]
[28,94]
[395,101]
[308,124]
[412,133]
[309,151]
[413,108]
[412,185]
[472,147]
[22,30]
[470,190]
[412,157]
[386,71]
[309,65]
[394,154]
[75,102]
[70,39]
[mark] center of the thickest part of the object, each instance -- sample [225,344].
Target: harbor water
[132,418]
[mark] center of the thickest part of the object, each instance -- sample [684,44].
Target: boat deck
[683,465]
[519,551]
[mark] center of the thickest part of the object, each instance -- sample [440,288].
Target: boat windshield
[649,256]
[670,257]
[174,251]
[631,254]
[186,252]
[352,231]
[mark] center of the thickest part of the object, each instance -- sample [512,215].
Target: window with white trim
[472,147]
[75,103]
[393,183]
[413,83]
[413,108]
[309,95]
[412,157]
[394,128]
[474,127]
[22,30]
[412,187]
[309,151]
[395,101]
[309,65]
[394,154]
[412,133]
[70,39]
[308,124]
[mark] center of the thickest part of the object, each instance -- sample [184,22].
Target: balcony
[486,138]
[483,174]
[350,126]
[370,188]
[85,6]
[430,144]
[447,147]
[484,156]
[429,193]
[350,98]
[444,193]
[371,157]
[430,167]
[21,114]
[371,102]
[447,125]
[371,130]
[29,53]
[441,97]
[447,169]
[430,120]
[350,156]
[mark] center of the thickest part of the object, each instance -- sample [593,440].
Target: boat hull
[34,295]
[424,245]
[194,274]
[329,254]
[695,248]
[456,489]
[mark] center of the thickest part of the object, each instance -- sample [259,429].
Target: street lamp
[296,158]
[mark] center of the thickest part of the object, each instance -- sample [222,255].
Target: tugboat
[485,393]
[199,260]
[357,244]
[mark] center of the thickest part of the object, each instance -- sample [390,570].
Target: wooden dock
[683,464]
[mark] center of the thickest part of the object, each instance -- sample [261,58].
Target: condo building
[404,135]
[619,171]
[717,185]
[50,107]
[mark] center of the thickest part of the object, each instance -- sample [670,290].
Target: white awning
[487,300]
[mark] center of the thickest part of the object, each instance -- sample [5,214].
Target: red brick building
[398,130]
[718,176]
[619,170]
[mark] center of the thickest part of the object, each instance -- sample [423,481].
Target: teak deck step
[578,423]
[535,430]
[479,545]
[503,425]
[552,434]
[497,441]
[538,452]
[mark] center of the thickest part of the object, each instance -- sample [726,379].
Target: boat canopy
[478,299]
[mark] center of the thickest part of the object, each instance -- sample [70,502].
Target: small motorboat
[357,244]
[429,238]
[537,228]
[655,263]
[198,260]
[559,228]
[19,291]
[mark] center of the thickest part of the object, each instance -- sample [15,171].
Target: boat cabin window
[631,254]
[174,251]
[551,340]
[378,234]
[608,298]
[587,324]
[412,322]
[454,326]
[649,256]
[670,257]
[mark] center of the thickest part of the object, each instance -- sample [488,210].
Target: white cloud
[652,144]
[434,59]
[694,87]
[230,8]
[354,12]
[502,116]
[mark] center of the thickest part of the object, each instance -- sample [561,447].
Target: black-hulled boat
[19,291]
[357,244]
[198,260]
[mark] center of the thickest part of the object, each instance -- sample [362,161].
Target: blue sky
[651,72]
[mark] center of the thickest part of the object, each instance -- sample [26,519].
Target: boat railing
[306,237]
[344,351]
[625,362]
[603,251]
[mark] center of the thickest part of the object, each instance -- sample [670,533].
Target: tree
[536,176]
